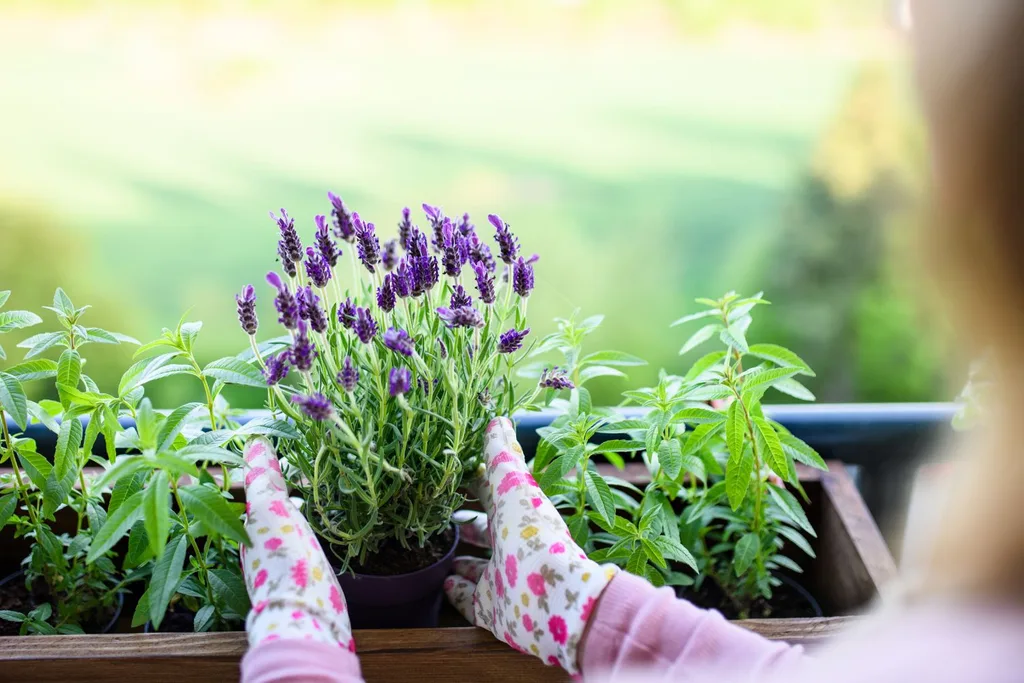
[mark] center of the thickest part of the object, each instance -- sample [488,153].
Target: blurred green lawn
[645,174]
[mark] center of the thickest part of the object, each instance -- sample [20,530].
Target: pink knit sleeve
[637,626]
[300,661]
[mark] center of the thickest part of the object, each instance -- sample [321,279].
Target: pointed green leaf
[780,356]
[208,454]
[619,446]
[746,550]
[33,369]
[4,295]
[699,416]
[156,506]
[62,303]
[212,510]
[36,467]
[670,458]
[796,538]
[229,587]
[791,387]
[738,474]
[173,425]
[268,426]
[69,374]
[775,456]
[150,369]
[733,337]
[801,452]
[38,343]
[17,320]
[674,550]
[126,487]
[702,436]
[164,580]
[234,371]
[694,316]
[637,562]
[147,424]
[791,506]
[8,504]
[735,429]
[699,337]
[613,358]
[125,468]
[69,441]
[118,524]
[600,496]
[13,399]
[766,377]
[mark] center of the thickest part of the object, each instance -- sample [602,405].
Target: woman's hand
[538,590]
[294,591]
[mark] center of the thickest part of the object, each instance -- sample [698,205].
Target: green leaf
[8,504]
[118,523]
[13,400]
[735,429]
[146,424]
[229,587]
[734,338]
[110,429]
[268,426]
[670,458]
[36,467]
[766,377]
[703,364]
[189,332]
[613,358]
[708,392]
[694,316]
[695,467]
[623,426]
[173,425]
[775,456]
[699,416]
[578,529]
[619,446]
[126,487]
[4,295]
[595,371]
[212,510]
[637,562]
[737,476]
[234,371]
[69,441]
[17,320]
[791,506]
[38,343]
[164,580]
[204,618]
[141,614]
[600,495]
[150,369]
[801,452]
[10,615]
[791,387]
[745,552]
[208,454]
[653,553]
[787,563]
[699,337]
[780,356]
[138,546]
[62,303]
[796,538]
[702,435]
[43,368]
[156,507]
[674,550]
[170,462]
[125,467]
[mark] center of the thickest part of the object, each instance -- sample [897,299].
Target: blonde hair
[970,60]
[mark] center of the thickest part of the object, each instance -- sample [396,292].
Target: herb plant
[390,368]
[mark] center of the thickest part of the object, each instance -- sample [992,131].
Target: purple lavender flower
[365,326]
[315,407]
[389,258]
[522,278]
[418,246]
[507,242]
[425,274]
[347,313]
[399,341]
[405,230]
[460,298]
[386,295]
[555,378]
[402,279]
[465,227]
[343,228]
[479,252]
[328,247]
[303,350]
[317,268]
[436,218]
[453,249]
[512,341]
[367,243]
[349,375]
[285,303]
[246,302]
[277,367]
[441,348]
[466,316]
[289,247]
[311,310]
[399,381]
[484,283]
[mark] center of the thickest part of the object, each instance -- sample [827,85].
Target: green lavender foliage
[717,499]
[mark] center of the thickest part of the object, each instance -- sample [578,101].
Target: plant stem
[200,557]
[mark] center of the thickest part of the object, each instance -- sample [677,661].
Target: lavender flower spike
[303,350]
[343,228]
[311,310]
[315,407]
[367,243]
[460,298]
[467,316]
[507,242]
[327,247]
[405,230]
[285,302]
[484,282]
[365,326]
[555,378]
[317,268]
[246,302]
[399,381]
[349,375]
[399,341]
[522,278]
[386,294]
[289,248]
[402,280]
[277,368]
[512,341]
[389,257]
[347,313]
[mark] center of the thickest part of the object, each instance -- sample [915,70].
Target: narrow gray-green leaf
[69,441]
[17,320]
[13,399]
[699,416]
[775,457]
[165,577]
[791,387]
[601,498]
[699,337]
[791,506]
[156,505]
[780,356]
[38,343]
[43,368]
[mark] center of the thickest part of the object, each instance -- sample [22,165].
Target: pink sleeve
[300,661]
[637,626]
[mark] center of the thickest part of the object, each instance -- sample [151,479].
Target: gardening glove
[538,590]
[294,591]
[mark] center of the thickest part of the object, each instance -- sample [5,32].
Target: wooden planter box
[852,568]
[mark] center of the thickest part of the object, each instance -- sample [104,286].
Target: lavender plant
[390,368]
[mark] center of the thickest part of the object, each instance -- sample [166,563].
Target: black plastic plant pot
[410,600]
[19,576]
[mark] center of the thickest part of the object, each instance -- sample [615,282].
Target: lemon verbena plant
[394,359]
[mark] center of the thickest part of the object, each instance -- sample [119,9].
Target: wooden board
[454,654]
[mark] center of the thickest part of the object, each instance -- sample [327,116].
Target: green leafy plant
[81,593]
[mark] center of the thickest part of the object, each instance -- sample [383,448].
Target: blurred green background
[650,151]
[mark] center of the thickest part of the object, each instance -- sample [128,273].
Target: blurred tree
[839,271]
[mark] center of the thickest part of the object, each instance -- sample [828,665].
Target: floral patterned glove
[538,589]
[294,592]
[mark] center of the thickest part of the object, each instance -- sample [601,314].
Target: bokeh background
[651,151]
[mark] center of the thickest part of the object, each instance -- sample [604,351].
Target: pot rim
[409,575]
[110,625]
